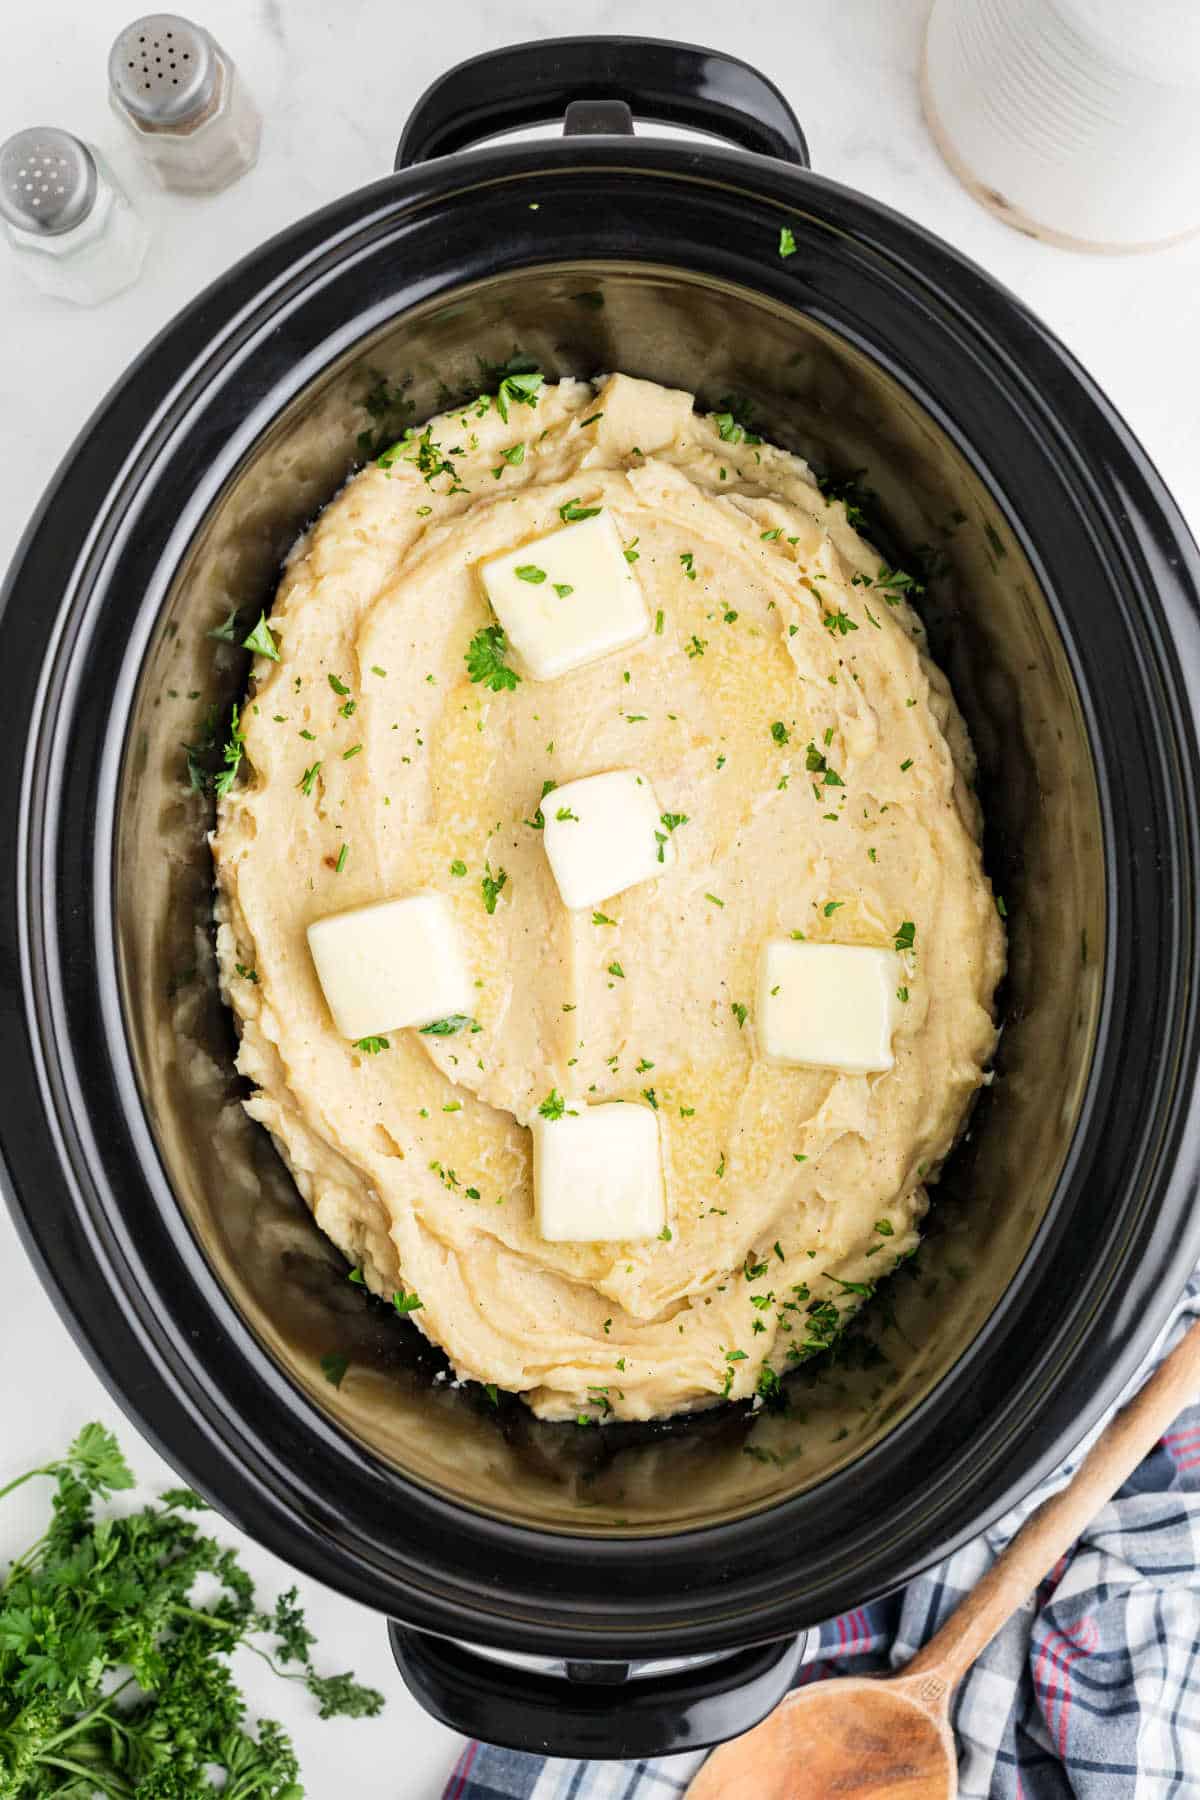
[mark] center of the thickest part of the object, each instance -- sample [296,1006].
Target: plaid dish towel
[1092,1691]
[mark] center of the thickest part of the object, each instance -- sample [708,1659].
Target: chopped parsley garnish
[673,821]
[697,646]
[740,1012]
[831,906]
[780,732]
[231,755]
[772,536]
[553,1106]
[305,783]
[885,1228]
[333,1368]
[247,974]
[816,764]
[599,918]
[354,750]
[340,864]
[571,512]
[688,564]
[339,687]
[226,632]
[531,573]
[897,584]
[447,1027]
[906,935]
[563,589]
[492,886]
[902,995]
[371,1046]
[458,867]
[906,765]
[520,389]
[406,1303]
[614,968]
[650,1097]
[643,1065]
[1001,907]
[658,623]
[731,431]
[631,550]
[787,241]
[261,641]
[716,900]
[538,821]
[666,1234]
[485,660]
[838,622]
[565,815]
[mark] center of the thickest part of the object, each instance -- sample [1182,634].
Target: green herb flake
[531,573]
[449,1026]
[492,886]
[571,512]
[406,1303]
[342,855]
[485,660]
[740,1012]
[333,1368]
[371,1046]
[614,968]
[553,1106]
[306,781]
[261,641]
[787,241]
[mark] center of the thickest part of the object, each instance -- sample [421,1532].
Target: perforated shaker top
[163,69]
[48,180]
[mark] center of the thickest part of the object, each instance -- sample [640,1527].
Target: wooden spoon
[889,1738]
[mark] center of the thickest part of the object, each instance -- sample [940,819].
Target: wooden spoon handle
[1056,1524]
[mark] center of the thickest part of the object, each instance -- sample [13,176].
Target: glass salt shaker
[66,217]
[180,95]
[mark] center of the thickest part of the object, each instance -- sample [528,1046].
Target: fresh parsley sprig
[115,1678]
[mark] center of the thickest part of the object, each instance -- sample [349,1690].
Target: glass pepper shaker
[180,95]
[66,217]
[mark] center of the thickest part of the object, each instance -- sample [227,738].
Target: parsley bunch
[114,1677]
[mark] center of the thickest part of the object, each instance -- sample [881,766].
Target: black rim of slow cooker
[88,1190]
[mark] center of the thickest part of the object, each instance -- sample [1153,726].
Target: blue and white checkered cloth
[1092,1691]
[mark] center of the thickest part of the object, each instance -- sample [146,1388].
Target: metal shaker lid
[163,69]
[48,180]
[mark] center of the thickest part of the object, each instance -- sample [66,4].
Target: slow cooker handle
[597,1709]
[675,84]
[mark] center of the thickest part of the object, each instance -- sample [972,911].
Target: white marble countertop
[335,83]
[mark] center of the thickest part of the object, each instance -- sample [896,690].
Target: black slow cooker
[623,1589]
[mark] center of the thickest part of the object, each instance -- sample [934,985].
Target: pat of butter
[827,1006]
[597,1174]
[393,964]
[603,834]
[567,599]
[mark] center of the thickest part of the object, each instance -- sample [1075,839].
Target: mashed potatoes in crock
[818,779]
